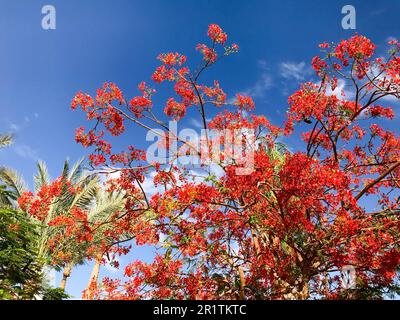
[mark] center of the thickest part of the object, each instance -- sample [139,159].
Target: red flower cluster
[216,34]
[138,105]
[216,94]
[357,47]
[164,178]
[39,206]
[172,59]
[378,111]
[209,54]
[175,109]
[244,103]
[128,157]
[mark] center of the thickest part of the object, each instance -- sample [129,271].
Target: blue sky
[98,41]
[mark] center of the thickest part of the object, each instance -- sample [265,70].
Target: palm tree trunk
[66,273]
[299,292]
[242,284]
[92,284]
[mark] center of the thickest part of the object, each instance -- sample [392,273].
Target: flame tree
[285,230]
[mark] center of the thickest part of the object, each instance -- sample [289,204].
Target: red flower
[209,54]
[216,34]
[174,109]
[172,59]
[244,103]
[97,159]
[138,105]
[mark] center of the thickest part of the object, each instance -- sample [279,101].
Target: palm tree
[65,202]
[100,205]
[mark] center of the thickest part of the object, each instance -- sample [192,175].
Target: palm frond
[76,171]
[42,177]
[5,140]
[6,197]
[281,147]
[65,172]
[13,180]
[105,206]
[87,195]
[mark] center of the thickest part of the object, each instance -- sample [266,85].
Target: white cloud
[25,151]
[341,89]
[259,89]
[292,70]
[14,127]
[263,84]
[21,125]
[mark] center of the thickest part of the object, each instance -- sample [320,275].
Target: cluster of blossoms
[110,109]
[285,229]
[39,206]
[216,34]
[62,226]
[142,103]
[216,94]
[175,110]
